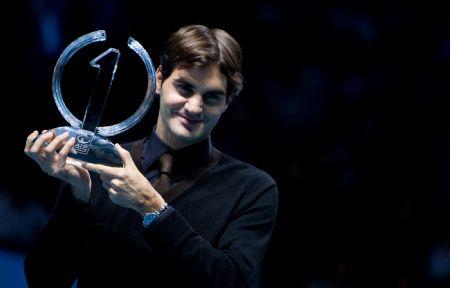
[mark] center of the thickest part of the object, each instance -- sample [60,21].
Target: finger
[113,172]
[115,183]
[49,151]
[106,186]
[112,195]
[56,143]
[29,143]
[105,178]
[109,188]
[111,182]
[125,156]
[40,141]
[66,150]
[30,140]
[75,162]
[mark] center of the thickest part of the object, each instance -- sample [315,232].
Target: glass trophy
[91,144]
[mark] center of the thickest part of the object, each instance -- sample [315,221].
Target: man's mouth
[190,120]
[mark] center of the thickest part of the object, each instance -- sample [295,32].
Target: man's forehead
[201,76]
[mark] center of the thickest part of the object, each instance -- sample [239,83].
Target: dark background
[345,104]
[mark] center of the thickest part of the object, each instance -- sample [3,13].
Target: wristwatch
[149,217]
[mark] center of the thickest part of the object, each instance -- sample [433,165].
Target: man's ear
[226,107]
[159,80]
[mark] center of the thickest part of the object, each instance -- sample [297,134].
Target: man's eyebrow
[214,92]
[183,81]
[218,92]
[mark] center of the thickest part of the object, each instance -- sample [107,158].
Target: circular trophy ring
[82,42]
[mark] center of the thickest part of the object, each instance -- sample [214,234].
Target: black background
[345,104]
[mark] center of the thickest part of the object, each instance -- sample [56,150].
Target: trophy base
[91,147]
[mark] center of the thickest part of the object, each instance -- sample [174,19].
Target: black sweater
[214,235]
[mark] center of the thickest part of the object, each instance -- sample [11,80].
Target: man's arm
[236,261]
[55,259]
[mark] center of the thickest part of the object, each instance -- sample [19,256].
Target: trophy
[91,144]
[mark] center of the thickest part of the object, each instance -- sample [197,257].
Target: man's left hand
[126,185]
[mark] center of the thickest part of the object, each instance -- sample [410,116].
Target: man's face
[191,103]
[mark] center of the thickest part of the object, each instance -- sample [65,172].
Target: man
[178,212]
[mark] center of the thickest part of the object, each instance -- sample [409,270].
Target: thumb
[125,156]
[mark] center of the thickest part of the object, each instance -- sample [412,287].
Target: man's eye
[184,90]
[212,99]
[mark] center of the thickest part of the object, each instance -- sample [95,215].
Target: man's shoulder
[246,179]
[244,170]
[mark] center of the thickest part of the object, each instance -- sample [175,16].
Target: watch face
[148,218]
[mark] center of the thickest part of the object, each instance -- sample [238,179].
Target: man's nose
[194,105]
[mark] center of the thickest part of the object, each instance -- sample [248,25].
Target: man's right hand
[55,163]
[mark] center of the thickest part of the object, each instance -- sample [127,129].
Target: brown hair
[197,46]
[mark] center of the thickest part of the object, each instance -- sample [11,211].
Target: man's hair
[200,46]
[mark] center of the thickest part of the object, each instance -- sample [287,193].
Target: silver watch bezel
[149,217]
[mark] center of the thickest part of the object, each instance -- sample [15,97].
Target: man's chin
[187,136]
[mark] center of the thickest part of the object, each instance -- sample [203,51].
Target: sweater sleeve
[236,260]
[55,259]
